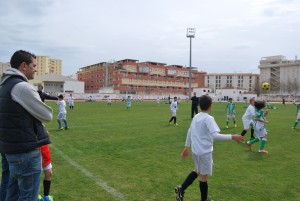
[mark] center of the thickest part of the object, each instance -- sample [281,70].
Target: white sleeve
[219,137]
[188,138]
[24,94]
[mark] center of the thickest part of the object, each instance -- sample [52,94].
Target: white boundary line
[119,196]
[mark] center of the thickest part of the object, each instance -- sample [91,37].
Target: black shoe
[179,193]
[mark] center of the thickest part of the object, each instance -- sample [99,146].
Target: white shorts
[48,167]
[174,113]
[260,133]
[203,163]
[247,123]
[230,116]
[298,116]
[62,115]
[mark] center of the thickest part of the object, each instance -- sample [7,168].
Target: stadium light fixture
[191,32]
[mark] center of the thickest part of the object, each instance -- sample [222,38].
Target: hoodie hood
[10,72]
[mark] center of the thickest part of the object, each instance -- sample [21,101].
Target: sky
[231,35]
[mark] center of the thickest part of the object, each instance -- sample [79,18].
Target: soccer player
[128,102]
[259,127]
[230,108]
[174,108]
[158,101]
[62,113]
[298,116]
[109,101]
[247,119]
[202,133]
[71,102]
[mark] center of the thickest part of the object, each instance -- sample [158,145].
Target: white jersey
[250,113]
[71,100]
[200,133]
[173,106]
[62,106]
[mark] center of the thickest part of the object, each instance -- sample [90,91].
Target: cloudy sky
[231,35]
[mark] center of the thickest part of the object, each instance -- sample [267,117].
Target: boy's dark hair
[19,57]
[205,102]
[230,99]
[259,104]
[61,96]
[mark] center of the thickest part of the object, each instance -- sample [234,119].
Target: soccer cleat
[179,193]
[226,126]
[235,125]
[40,198]
[263,151]
[59,129]
[47,198]
[66,128]
[170,123]
[176,124]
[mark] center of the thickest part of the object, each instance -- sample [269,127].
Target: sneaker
[235,125]
[176,124]
[263,151]
[179,193]
[47,198]
[59,129]
[249,146]
[66,128]
[252,138]
[226,126]
[293,127]
[170,123]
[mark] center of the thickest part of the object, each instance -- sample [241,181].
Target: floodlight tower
[191,32]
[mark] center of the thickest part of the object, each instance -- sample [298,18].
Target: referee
[195,102]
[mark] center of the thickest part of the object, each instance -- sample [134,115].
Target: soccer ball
[265,86]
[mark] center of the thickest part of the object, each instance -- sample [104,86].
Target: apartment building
[46,65]
[130,76]
[3,67]
[282,75]
[246,81]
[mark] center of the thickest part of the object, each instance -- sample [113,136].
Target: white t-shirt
[202,132]
[71,100]
[61,106]
[249,114]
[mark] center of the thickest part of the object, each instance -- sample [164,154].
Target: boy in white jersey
[259,127]
[62,113]
[71,102]
[247,119]
[174,108]
[201,135]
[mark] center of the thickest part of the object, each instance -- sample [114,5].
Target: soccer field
[111,153]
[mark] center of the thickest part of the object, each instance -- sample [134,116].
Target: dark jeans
[4,179]
[194,110]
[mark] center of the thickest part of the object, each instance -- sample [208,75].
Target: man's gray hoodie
[25,94]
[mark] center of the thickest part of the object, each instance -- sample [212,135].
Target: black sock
[189,180]
[252,133]
[175,118]
[243,133]
[171,119]
[203,190]
[47,184]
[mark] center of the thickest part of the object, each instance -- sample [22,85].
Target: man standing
[21,128]
[45,96]
[195,102]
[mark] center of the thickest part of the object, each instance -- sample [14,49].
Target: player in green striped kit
[230,108]
[298,116]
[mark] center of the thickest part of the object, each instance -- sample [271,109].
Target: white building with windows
[246,81]
[282,75]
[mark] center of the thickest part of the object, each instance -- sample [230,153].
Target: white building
[56,84]
[282,74]
[245,81]
[237,94]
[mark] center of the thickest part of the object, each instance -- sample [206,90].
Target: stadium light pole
[191,32]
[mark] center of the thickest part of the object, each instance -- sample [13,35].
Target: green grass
[137,153]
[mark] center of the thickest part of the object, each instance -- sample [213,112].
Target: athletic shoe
[176,124]
[235,125]
[60,129]
[293,127]
[47,198]
[252,138]
[263,151]
[179,193]
[66,128]
[226,126]
[170,123]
